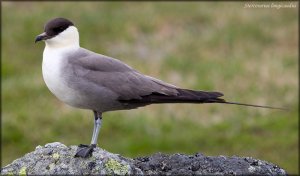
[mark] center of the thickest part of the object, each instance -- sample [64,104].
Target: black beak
[41,37]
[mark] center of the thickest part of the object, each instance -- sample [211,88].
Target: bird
[87,80]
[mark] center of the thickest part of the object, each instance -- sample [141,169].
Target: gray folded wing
[116,77]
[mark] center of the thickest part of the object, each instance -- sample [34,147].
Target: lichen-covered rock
[56,158]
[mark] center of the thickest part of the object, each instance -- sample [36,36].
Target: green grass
[251,55]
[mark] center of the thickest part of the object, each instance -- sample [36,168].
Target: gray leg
[97,126]
[85,151]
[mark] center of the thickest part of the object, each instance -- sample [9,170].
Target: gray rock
[56,158]
[198,164]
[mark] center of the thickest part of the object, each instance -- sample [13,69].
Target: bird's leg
[85,151]
[97,126]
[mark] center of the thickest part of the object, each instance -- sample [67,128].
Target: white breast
[54,79]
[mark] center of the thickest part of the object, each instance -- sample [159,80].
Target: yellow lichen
[10,173]
[22,171]
[114,167]
[55,156]
[51,166]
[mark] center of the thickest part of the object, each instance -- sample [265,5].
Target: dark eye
[58,29]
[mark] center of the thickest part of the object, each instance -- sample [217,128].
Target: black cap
[56,26]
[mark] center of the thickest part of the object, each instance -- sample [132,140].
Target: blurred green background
[251,55]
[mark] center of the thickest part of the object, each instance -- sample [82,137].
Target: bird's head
[59,32]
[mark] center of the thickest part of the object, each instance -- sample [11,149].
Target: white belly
[54,79]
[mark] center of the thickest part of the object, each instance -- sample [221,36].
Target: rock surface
[56,158]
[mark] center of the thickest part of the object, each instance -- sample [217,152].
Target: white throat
[57,48]
[55,53]
[66,39]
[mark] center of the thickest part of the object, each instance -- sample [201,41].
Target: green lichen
[114,167]
[22,171]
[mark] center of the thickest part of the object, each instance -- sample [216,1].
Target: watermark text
[272,5]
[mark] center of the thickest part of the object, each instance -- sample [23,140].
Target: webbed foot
[85,151]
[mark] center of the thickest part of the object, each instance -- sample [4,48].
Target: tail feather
[188,96]
[252,105]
